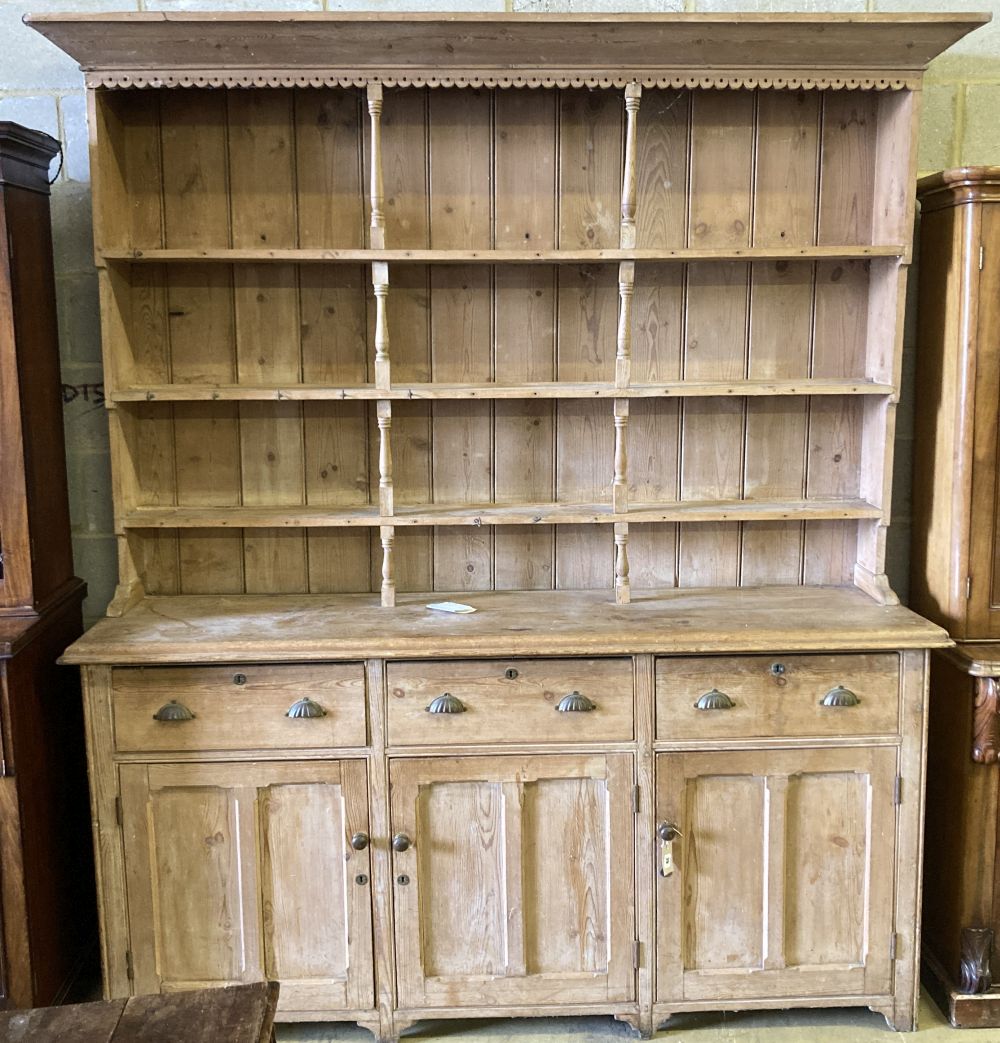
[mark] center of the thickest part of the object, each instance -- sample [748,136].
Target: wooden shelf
[670,389]
[439,272]
[313,48]
[538,622]
[521,514]
[609,256]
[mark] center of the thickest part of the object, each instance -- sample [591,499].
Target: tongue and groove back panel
[779,482]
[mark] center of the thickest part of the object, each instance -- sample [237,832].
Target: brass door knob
[667,831]
[359,841]
[400,842]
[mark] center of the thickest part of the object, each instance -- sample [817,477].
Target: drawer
[776,696]
[510,700]
[239,707]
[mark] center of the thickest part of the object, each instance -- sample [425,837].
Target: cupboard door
[783,877]
[517,886]
[984,532]
[239,872]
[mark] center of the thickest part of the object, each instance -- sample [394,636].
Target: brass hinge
[982,252]
[893,940]
[129,965]
[635,955]
[635,800]
[968,588]
[119,814]
[897,791]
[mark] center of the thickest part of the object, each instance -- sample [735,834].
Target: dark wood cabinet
[956,581]
[46,879]
[962,860]
[956,540]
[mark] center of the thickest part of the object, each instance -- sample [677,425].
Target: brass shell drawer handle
[446,703]
[714,700]
[173,711]
[839,696]
[575,703]
[305,707]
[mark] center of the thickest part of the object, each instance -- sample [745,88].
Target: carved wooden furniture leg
[977,948]
[985,721]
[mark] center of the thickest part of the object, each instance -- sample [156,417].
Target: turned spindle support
[619,486]
[622,585]
[387,536]
[633,92]
[384,414]
[377,193]
[380,284]
[623,354]
[627,239]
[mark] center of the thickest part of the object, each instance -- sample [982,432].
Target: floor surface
[798,1026]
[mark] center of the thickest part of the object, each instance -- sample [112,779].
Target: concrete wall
[40,87]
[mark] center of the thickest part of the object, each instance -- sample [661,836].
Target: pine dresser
[591,324]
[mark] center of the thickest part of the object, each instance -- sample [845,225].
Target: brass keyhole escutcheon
[510,673]
[402,879]
[239,678]
[361,879]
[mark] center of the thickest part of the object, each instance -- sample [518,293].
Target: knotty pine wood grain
[893,44]
[502,709]
[575,944]
[461,333]
[291,628]
[524,344]
[230,712]
[768,704]
[246,883]
[756,178]
[487,256]
[426,300]
[267,320]
[746,820]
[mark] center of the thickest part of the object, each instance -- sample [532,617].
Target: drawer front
[239,707]
[510,700]
[776,696]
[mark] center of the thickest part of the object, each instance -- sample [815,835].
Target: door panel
[202,896]
[239,872]
[826,832]
[984,536]
[462,824]
[784,874]
[518,882]
[564,830]
[726,893]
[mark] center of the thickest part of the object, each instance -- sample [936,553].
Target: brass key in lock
[668,833]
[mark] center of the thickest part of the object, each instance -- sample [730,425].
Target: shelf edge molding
[375,255]
[806,387]
[287,517]
[874,51]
